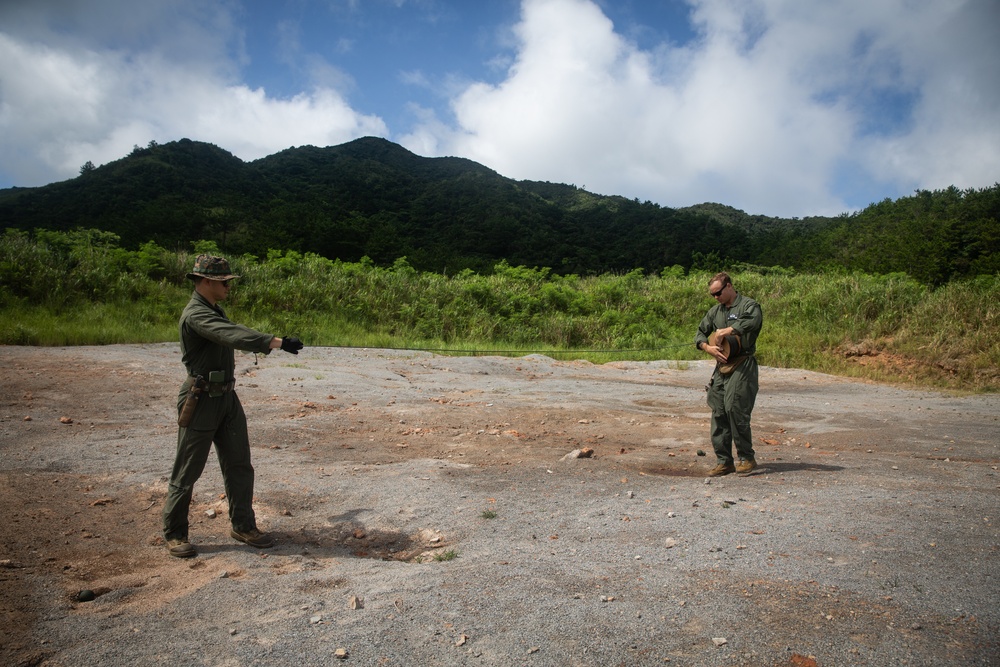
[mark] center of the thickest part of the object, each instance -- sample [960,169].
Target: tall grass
[80,288]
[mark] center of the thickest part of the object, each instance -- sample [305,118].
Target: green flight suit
[208,339]
[732,397]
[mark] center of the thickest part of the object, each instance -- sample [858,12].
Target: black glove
[291,345]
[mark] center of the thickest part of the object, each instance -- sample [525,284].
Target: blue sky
[776,107]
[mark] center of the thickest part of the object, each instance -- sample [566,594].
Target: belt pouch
[216,378]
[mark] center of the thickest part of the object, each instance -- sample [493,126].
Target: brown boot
[745,466]
[722,469]
[253,537]
[181,548]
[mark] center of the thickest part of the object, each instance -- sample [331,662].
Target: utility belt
[214,388]
[197,385]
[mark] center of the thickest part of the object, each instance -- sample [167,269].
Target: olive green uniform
[208,339]
[732,397]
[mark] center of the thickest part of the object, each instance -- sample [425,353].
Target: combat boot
[253,537]
[181,548]
[722,469]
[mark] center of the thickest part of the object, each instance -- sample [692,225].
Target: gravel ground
[425,515]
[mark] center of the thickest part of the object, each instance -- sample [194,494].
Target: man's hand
[715,352]
[291,345]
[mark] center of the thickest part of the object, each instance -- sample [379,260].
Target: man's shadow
[345,535]
[797,466]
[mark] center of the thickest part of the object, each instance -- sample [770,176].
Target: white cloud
[767,111]
[955,137]
[778,107]
[63,103]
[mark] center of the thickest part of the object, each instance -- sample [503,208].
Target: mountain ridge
[373,198]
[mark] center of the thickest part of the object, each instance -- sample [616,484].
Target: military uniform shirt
[745,317]
[208,339]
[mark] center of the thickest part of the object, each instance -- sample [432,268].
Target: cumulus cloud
[774,108]
[779,107]
[65,101]
[955,132]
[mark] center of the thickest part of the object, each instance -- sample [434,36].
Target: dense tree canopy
[372,198]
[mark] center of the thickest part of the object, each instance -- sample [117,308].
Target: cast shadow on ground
[764,467]
[797,466]
[346,536]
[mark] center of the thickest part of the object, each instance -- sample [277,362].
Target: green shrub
[79,287]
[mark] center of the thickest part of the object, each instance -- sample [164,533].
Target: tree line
[372,198]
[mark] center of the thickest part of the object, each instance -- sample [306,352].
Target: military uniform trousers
[731,398]
[218,419]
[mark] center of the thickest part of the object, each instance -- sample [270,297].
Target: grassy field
[80,288]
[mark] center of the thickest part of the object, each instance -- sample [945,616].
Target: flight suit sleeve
[750,321]
[705,328]
[213,327]
[749,324]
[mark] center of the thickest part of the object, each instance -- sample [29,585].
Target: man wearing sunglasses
[209,411]
[728,333]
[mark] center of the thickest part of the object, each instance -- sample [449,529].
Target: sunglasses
[225,283]
[719,293]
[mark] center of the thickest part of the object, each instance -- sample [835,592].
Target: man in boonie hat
[728,333]
[213,268]
[209,411]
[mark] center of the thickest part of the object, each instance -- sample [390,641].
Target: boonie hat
[730,346]
[211,267]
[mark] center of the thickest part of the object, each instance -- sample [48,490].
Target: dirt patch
[425,514]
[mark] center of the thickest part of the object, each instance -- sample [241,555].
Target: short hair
[722,277]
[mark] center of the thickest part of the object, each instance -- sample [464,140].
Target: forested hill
[371,197]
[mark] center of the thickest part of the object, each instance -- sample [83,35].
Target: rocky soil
[426,514]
